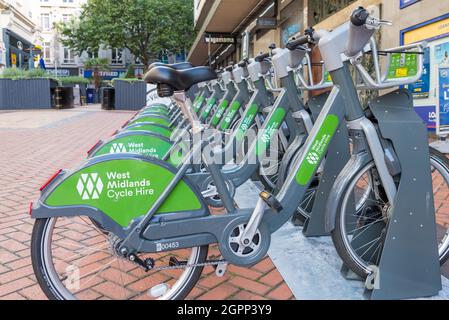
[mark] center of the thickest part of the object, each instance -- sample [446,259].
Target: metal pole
[209,51]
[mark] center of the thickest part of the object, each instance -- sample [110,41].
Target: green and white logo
[118,148]
[89,186]
[313,158]
[317,150]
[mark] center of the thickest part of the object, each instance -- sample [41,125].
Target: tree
[97,65]
[145,27]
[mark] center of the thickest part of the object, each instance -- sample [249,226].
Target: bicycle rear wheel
[74,260]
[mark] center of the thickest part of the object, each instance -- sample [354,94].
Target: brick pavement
[30,156]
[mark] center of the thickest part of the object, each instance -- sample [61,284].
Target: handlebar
[302,40]
[261,57]
[359,17]
[243,63]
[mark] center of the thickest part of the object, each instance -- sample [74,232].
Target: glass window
[117,56]
[45,21]
[92,54]
[46,52]
[68,56]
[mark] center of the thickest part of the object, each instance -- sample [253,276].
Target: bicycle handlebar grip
[262,57]
[302,40]
[243,63]
[359,16]
[359,36]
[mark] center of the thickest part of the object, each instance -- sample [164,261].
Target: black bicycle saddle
[176,66]
[169,80]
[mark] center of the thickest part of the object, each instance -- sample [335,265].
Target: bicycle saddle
[169,80]
[176,66]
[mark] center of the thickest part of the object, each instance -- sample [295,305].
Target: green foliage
[74,80]
[130,74]
[145,27]
[99,64]
[17,73]
[129,80]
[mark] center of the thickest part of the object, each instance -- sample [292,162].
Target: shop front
[18,50]
[426,90]
[64,72]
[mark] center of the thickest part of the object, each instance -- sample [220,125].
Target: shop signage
[219,38]
[63,72]
[443,101]
[106,75]
[406,3]
[13,59]
[266,23]
[428,114]
[421,88]
[289,31]
[428,31]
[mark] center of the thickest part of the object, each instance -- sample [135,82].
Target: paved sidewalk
[50,140]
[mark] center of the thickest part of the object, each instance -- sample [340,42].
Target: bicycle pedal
[271,201]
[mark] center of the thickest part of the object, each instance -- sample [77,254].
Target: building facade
[18,34]
[62,61]
[253,25]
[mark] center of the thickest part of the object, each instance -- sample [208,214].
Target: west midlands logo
[89,186]
[313,158]
[118,148]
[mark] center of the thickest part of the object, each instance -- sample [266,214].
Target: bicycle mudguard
[117,190]
[153,119]
[150,113]
[340,186]
[150,127]
[140,142]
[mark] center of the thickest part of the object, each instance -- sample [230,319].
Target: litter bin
[64,98]
[90,95]
[108,98]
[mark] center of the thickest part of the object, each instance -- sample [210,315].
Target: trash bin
[90,95]
[64,98]
[108,98]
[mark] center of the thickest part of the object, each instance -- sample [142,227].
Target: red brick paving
[29,157]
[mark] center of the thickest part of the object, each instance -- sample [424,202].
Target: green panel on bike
[165,132]
[124,190]
[153,113]
[150,119]
[220,111]
[198,103]
[318,150]
[247,122]
[273,124]
[147,145]
[210,104]
[230,116]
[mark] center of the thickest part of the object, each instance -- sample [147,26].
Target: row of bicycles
[134,220]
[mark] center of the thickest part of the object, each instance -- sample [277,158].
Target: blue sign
[443,100]
[421,88]
[106,75]
[289,31]
[428,114]
[406,3]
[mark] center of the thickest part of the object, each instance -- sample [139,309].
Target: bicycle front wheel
[372,216]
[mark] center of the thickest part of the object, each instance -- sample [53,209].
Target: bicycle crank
[248,254]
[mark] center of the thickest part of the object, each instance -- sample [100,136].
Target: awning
[224,17]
